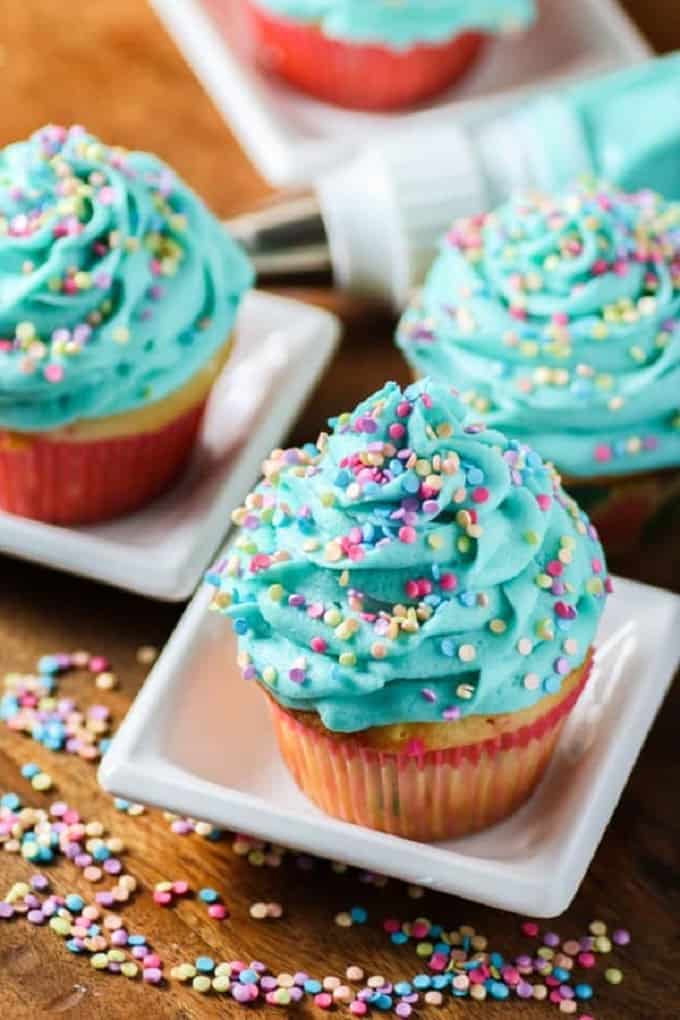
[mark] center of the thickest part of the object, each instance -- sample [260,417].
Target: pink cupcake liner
[353,75]
[83,482]
[422,795]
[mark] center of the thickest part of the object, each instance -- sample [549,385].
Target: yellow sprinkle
[347,659]
[498,626]
[467,653]
[269,675]
[276,592]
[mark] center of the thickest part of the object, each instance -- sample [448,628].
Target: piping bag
[375,223]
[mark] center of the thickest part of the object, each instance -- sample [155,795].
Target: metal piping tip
[285,238]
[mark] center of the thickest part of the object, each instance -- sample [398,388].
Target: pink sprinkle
[323,1000]
[415,748]
[162,898]
[531,929]
[396,431]
[412,589]
[106,195]
[318,644]
[404,409]
[597,565]
[560,319]
[54,373]
[391,925]
[448,582]
[603,453]
[180,888]
[480,494]
[218,911]
[544,501]
[98,664]
[554,568]
[407,535]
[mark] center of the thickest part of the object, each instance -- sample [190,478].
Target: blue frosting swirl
[413,566]
[559,320]
[403,23]
[116,283]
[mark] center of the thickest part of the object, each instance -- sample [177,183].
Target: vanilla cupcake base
[427,782]
[103,468]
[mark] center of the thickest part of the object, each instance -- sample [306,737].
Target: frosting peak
[559,319]
[116,282]
[412,566]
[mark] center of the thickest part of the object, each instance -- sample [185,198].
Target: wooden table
[111,66]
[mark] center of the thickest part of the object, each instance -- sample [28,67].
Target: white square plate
[282,349]
[292,139]
[198,741]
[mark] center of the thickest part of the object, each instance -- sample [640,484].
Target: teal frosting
[559,320]
[116,283]
[413,566]
[403,23]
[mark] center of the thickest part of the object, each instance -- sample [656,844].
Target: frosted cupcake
[417,598]
[374,54]
[119,293]
[558,319]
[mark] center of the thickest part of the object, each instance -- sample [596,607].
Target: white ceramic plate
[292,139]
[198,741]
[282,349]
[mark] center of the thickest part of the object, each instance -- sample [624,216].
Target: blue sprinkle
[208,895]
[498,990]
[403,988]
[497,960]
[467,598]
[475,476]
[29,770]
[583,991]
[443,948]
[312,986]
[447,648]
[382,1001]
[359,915]
[422,981]
[48,664]
[396,467]
[440,981]
[11,801]
[136,940]
[73,946]
[552,684]
[101,853]
[205,965]
[74,903]
[398,938]
[241,625]
[561,974]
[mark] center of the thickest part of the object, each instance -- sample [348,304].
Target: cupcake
[558,319]
[417,598]
[119,294]
[373,54]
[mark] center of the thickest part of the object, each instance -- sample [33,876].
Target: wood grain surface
[110,65]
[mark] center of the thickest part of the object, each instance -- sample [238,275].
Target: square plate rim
[169,785]
[285,157]
[59,547]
